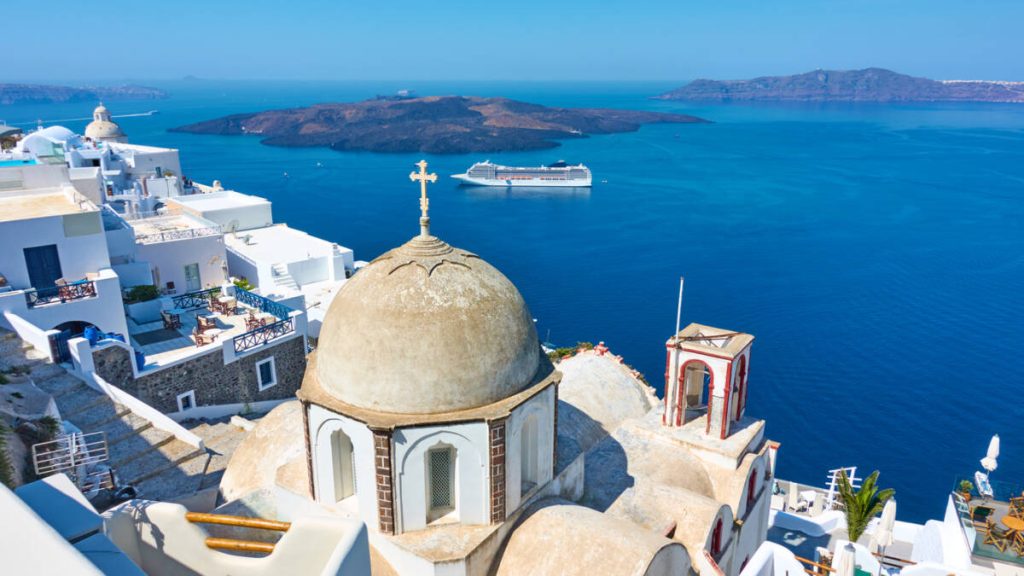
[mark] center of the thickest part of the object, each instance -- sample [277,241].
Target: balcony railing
[263,334]
[67,293]
[170,235]
[263,304]
[195,300]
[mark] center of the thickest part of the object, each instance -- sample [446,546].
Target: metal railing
[66,293]
[69,453]
[195,300]
[263,303]
[263,334]
[168,236]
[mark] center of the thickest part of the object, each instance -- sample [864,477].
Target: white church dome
[427,328]
[102,127]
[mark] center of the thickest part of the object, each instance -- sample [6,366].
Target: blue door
[43,265]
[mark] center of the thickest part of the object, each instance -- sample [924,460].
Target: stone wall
[213,381]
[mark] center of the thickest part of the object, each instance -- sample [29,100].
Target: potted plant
[966,487]
[142,303]
[862,505]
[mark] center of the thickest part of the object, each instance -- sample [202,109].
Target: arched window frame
[716,538]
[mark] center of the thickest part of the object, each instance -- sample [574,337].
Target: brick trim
[309,447]
[496,436]
[385,483]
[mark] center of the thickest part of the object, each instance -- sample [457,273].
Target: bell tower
[706,378]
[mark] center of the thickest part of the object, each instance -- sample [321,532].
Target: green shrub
[584,345]
[142,293]
[50,426]
[6,470]
[244,284]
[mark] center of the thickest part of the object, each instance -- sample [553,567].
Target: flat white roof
[218,201]
[276,244]
[39,203]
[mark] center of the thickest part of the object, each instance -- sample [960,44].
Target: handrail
[66,293]
[242,521]
[194,300]
[239,545]
[263,303]
[262,335]
[803,560]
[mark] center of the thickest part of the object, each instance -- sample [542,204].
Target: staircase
[160,466]
[282,278]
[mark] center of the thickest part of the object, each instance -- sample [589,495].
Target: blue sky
[519,40]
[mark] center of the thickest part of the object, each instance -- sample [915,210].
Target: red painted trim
[702,352]
[681,396]
[741,381]
[727,397]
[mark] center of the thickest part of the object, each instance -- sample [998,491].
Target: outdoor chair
[203,323]
[202,339]
[1017,507]
[793,501]
[171,321]
[996,536]
[980,514]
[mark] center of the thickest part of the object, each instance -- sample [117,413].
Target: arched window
[716,539]
[529,471]
[441,497]
[741,387]
[751,488]
[343,460]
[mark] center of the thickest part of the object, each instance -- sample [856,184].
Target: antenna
[679,308]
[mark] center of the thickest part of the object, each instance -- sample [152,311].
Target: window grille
[441,479]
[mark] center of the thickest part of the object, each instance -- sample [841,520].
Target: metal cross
[422,177]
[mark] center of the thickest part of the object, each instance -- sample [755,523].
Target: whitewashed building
[57,276]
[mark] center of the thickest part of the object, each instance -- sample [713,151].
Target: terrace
[154,228]
[992,520]
[207,320]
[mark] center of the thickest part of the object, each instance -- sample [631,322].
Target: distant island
[431,124]
[868,85]
[42,93]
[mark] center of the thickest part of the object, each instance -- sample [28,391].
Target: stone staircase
[160,466]
[282,278]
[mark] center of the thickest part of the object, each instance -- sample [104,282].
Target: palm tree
[863,505]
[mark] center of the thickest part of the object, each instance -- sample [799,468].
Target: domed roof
[100,129]
[427,328]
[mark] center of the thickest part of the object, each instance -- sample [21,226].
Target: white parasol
[989,461]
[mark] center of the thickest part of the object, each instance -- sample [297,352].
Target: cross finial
[423,178]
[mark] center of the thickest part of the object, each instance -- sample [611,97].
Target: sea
[875,251]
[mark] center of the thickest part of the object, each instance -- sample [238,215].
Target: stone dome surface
[103,129]
[427,328]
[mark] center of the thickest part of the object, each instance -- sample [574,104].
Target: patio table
[1013,523]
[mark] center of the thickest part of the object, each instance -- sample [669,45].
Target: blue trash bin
[140,360]
[92,334]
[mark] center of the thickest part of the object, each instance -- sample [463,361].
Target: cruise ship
[558,174]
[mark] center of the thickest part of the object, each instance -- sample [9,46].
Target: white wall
[243,216]
[78,254]
[105,310]
[87,182]
[323,423]
[542,407]
[241,267]
[308,271]
[171,257]
[471,463]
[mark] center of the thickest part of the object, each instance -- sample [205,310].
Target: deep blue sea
[875,251]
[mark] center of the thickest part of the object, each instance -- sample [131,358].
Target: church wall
[322,423]
[214,382]
[471,478]
[542,407]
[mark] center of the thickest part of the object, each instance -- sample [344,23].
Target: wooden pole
[239,545]
[226,520]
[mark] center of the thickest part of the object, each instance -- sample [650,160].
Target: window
[528,469]
[440,482]
[192,280]
[187,401]
[344,466]
[716,539]
[751,488]
[266,374]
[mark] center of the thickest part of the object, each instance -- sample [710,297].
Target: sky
[526,40]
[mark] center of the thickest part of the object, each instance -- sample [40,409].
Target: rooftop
[277,244]
[218,200]
[714,341]
[167,227]
[40,204]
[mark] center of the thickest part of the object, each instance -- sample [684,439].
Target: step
[100,415]
[78,401]
[119,431]
[165,461]
[44,370]
[134,449]
[60,385]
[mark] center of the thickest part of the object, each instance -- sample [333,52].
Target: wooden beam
[239,545]
[243,521]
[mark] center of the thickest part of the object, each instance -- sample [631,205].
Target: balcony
[994,523]
[60,294]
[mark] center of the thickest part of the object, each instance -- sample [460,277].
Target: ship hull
[524,182]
